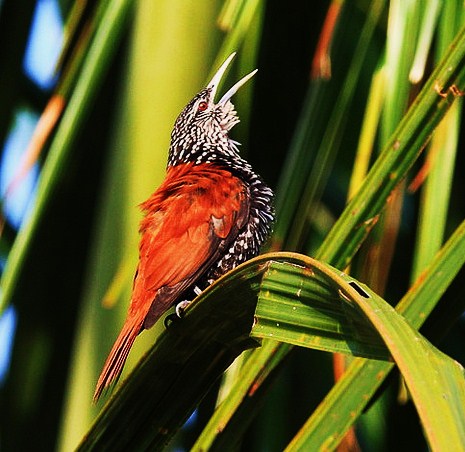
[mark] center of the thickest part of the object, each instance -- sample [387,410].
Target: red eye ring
[202,106]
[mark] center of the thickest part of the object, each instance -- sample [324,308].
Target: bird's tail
[117,357]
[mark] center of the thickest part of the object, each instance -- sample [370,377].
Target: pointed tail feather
[117,357]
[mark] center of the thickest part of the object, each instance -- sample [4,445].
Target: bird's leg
[180,307]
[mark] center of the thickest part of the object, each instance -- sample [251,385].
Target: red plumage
[192,217]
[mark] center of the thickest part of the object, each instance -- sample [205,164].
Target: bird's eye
[202,106]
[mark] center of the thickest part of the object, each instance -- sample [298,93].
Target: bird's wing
[188,233]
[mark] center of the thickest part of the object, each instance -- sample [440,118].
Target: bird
[211,213]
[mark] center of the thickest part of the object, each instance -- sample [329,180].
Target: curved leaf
[191,354]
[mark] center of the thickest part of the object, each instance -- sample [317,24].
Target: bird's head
[200,133]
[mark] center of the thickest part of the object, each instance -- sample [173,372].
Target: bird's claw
[180,307]
[179,313]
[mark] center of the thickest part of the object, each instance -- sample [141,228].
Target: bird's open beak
[215,81]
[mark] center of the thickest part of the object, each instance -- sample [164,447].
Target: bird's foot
[180,308]
[179,313]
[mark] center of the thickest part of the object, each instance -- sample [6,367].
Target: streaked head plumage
[200,133]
